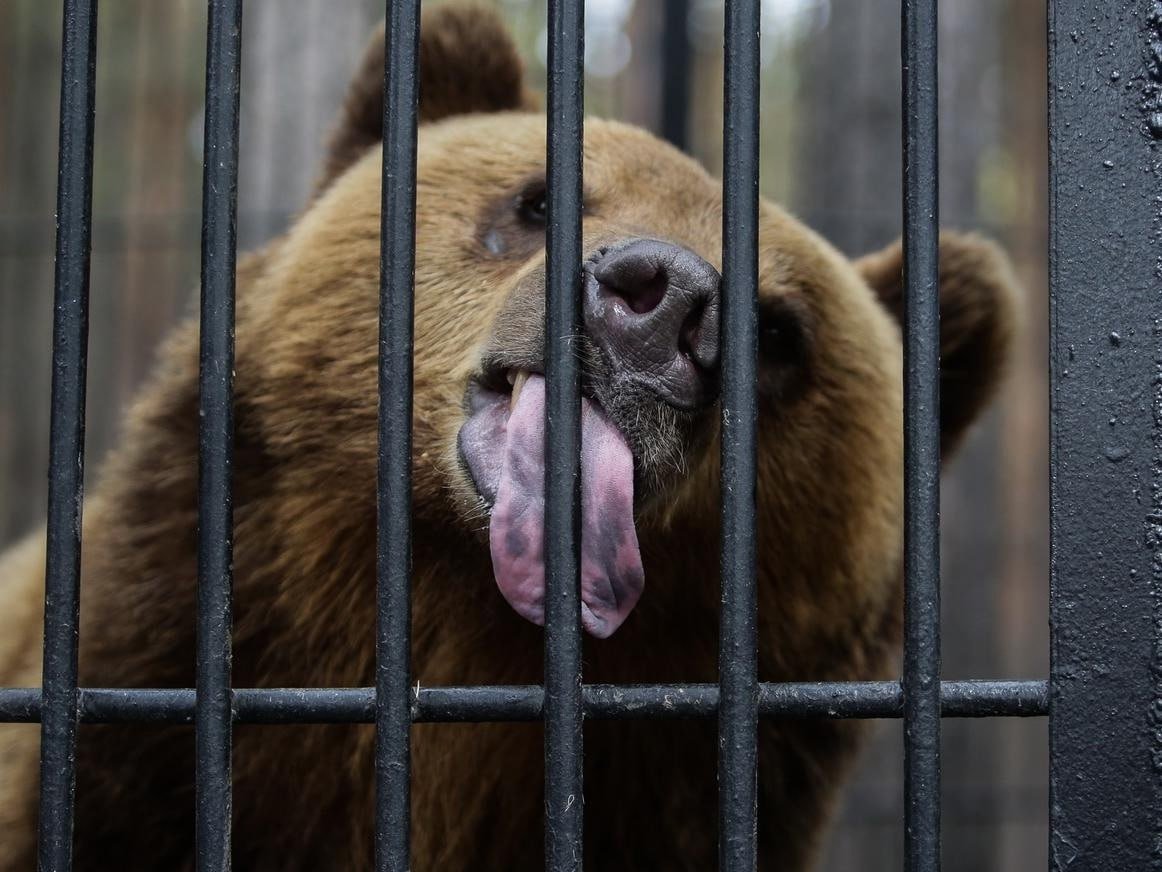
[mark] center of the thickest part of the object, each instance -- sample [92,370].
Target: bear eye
[532,206]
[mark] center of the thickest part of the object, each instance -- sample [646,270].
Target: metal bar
[394,527]
[216,436]
[676,72]
[921,678]
[21,705]
[1105,726]
[738,658]
[70,341]
[564,802]
[515,703]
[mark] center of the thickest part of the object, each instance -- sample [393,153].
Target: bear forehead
[496,148]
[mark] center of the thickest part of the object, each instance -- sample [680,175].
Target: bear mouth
[502,447]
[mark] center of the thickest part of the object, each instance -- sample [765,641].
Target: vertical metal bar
[921,679]
[216,435]
[563,708]
[676,72]
[737,659]
[394,529]
[1105,728]
[67,436]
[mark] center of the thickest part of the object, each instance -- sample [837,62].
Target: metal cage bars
[213,706]
[67,435]
[921,678]
[563,714]
[738,613]
[393,527]
[563,702]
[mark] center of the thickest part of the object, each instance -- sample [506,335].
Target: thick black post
[394,528]
[70,339]
[921,442]
[1106,436]
[216,435]
[563,710]
[738,657]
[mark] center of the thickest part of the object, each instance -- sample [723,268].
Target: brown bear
[829,501]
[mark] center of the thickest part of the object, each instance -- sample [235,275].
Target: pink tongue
[611,566]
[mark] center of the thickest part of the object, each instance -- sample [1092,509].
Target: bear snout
[653,308]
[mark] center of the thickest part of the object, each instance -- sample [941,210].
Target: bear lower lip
[484,428]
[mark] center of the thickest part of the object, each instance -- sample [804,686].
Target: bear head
[830,351]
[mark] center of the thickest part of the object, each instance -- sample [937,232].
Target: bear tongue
[611,568]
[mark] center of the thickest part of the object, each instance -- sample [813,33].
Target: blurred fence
[830,126]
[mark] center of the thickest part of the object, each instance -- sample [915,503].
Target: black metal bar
[20,705]
[394,526]
[564,802]
[514,703]
[1105,727]
[479,704]
[676,72]
[70,341]
[921,679]
[216,435]
[737,658]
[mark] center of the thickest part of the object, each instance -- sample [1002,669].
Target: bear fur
[830,508]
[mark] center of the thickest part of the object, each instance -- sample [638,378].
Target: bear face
[830,356]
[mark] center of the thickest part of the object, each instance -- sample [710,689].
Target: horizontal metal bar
[356,705]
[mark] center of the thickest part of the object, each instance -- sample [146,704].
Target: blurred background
[831,154]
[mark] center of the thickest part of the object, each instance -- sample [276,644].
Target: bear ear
[978,319]
[468,63]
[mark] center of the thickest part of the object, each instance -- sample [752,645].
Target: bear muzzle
[651,314]
[652,308]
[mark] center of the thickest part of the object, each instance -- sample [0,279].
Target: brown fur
[829,548]
[465,66]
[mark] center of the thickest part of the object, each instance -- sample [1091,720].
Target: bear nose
[652,307]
